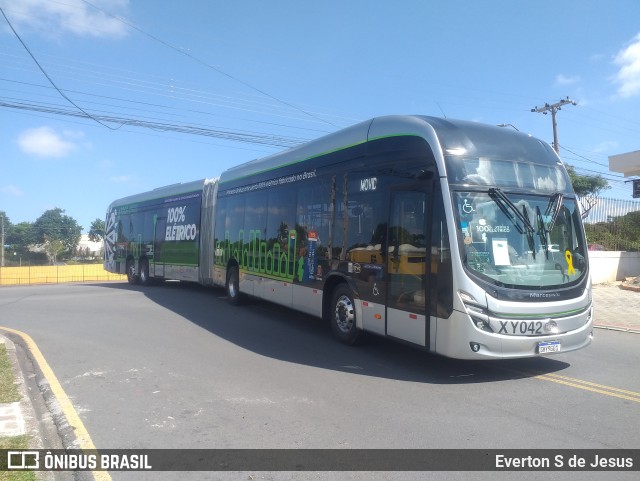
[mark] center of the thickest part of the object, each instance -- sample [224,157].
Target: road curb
[19,417]
[629,287]
[47,423]
[22,413]
[618,328]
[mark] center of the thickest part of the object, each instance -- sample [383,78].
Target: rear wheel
[145,280]
[233,286]
[132,278]
[343,316]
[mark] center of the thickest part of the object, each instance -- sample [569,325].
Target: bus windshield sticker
[501,252]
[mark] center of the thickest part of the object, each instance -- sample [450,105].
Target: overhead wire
[208,65]
[562,147]
[171,89]
[239,136]
[44,72]
[155,108]
[199,96]
[164,108]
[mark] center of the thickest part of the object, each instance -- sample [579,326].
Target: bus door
[407,263]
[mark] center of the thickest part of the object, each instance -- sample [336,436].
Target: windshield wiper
[543,231]
[532,246]
[553,208]
[511,211]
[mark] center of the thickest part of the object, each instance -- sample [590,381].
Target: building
[87,248]
[629,165]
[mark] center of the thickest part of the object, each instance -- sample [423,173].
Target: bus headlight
[467,298]
[479,317]
[481,323]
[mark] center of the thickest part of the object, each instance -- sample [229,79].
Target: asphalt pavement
[617,307]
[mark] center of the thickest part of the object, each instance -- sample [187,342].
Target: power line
[208,65]
[49,78]
[138,104]
[238,136]
[585,158]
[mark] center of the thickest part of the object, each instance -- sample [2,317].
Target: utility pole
[2,239]
[553,108]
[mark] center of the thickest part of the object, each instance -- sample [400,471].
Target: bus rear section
[157,235]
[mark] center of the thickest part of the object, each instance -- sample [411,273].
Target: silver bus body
[461,238]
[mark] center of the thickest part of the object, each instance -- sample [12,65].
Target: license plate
[548,347]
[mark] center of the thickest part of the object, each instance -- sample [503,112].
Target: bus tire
[234,295]
[343,316]
[145,280]
[132,278]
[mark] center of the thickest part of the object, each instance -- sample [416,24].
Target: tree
[53,248]
[621,233]
[96,232]
[587,187]
[20,237]
[54,225]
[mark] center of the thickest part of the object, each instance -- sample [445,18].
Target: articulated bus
[462,238]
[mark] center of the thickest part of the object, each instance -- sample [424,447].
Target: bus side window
[255,214]
[314,213]
[280,215]
[234,225]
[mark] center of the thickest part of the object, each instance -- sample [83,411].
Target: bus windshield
[521,240]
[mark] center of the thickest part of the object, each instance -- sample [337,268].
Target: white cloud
[74,16]
[562,79]
[11,190]
[628,76]
[121,179]
[45,142]
[605,147]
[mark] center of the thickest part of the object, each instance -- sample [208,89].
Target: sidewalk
[21,418]
[25,417]
[616,308]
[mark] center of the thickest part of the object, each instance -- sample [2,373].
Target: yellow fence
[56,274]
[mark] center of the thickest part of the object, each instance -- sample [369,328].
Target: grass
[8,390]
[15,442]
[8,394]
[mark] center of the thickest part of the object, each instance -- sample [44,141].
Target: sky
[103,99]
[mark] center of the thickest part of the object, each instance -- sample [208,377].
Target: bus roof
[445,133]
[162,192]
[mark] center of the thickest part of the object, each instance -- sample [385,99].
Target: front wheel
[343,316]
[233,286]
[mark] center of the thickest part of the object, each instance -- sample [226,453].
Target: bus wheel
[343,316]
[132,278]
[233,286]
[145,280]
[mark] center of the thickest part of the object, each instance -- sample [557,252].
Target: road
[175,366]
